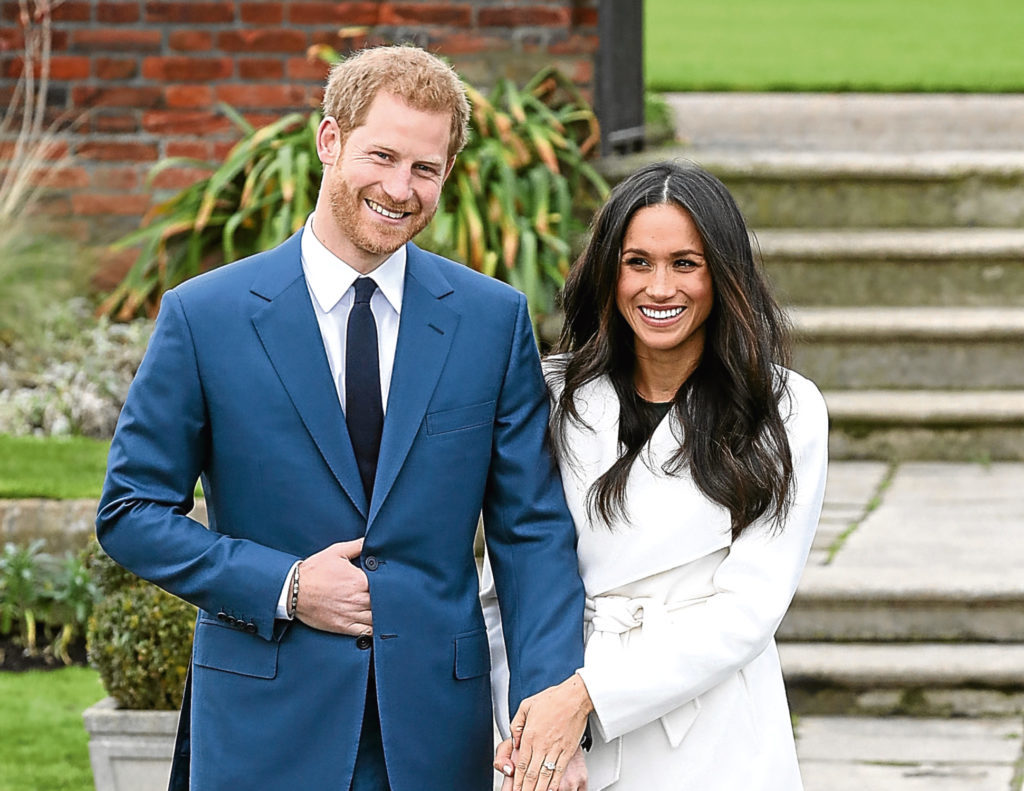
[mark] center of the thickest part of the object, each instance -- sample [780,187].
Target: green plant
[139,638]
[512,206]
[70,595]
[21,586]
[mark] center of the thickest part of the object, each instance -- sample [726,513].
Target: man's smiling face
[386,183]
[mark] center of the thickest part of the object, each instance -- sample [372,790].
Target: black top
[657,410]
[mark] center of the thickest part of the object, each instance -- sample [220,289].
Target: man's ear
[448,168]
[328,141]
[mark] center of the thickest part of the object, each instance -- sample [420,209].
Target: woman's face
[664,291]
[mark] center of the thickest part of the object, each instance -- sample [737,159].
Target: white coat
[681,663]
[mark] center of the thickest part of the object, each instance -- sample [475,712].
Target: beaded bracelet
[293,605]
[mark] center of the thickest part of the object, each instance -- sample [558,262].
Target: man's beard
[376,238]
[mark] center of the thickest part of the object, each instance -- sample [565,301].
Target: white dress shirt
[330,281]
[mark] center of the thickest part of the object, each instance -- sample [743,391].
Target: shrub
[139,638]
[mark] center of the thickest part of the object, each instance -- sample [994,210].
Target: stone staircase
[893,230]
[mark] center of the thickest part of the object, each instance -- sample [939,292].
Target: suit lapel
[425,334]
[290,334]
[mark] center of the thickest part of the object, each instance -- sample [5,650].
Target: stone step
[892,605]
[814,189]
[922,679]
[910,347]
[930,425]
[959,267]
[849,121]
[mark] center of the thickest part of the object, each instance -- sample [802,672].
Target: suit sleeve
[159,449]
[705,644]
[531,541]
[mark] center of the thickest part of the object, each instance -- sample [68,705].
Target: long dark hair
[733,438]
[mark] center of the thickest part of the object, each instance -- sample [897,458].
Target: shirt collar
[329,277]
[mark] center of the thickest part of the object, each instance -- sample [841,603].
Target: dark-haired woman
[694,465]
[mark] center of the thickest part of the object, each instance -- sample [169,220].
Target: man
[348,431]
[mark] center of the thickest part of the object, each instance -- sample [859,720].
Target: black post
[620,75]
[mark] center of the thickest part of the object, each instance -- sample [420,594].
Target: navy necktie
[364,413]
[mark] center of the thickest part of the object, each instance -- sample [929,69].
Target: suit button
[250,627]
[363,642]
[371,563]
[222,616]
[232,620]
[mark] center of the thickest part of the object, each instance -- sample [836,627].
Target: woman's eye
[636,262]
[684,264]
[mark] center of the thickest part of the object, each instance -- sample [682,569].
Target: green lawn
[815,45]
[61,468]
[43,744]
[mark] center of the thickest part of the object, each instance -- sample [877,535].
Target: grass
[60,468]
[838,45]
[43,744]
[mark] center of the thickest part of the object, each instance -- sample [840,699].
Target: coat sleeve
[531,541]
[159,449]
[703,645]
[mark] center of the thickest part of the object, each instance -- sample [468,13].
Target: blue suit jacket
[235,387]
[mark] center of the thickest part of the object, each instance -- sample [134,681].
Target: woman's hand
[574,779]
[546,732]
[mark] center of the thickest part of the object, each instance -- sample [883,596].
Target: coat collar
[288,330]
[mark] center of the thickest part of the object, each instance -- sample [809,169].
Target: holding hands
[543,753]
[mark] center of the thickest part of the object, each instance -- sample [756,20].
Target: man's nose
[398,184]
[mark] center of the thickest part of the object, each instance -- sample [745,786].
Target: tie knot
[365,286]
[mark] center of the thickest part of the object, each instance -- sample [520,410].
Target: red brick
[53,205]
[347,39]
[524,16]
[117,41]
[116,96]
[242,95]
[11,39]
[93,203]
[112,268]
[335,13]
[113,69]
[188,96]
[259,120]
[61,178]
[117,12]
[262,13]
[305,69]
[177,122]
[584,17]
[72,12]
[184,69]
[190,40]
[260,69]
[179,178]
[455,15]
[117,151]
[574,45]
[468,43]
[69,67]
[114,123]
[115,179]
[189,148]
[190,13]
[222,148]
[460,15]
[276,40]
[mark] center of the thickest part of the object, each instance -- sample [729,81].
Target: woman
[694,465]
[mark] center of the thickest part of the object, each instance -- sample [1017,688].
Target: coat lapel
[425,334]
[290,334]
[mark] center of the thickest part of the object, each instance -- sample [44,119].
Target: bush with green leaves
[139,639]
[44,599]
[515,205]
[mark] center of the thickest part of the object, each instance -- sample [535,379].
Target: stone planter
[130,750]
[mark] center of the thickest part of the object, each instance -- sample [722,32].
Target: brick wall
[143,78]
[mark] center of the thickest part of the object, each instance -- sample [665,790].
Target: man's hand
[334,594]
[546,731]
[574,778]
